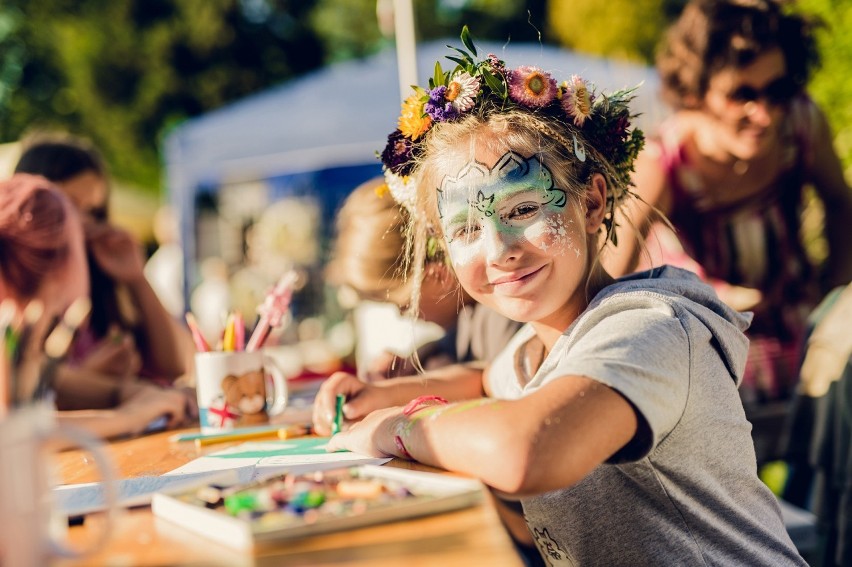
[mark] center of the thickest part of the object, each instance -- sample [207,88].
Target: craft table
[472,536]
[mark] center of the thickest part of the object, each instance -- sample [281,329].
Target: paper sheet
[271,457]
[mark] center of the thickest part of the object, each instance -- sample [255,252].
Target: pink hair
[33,233]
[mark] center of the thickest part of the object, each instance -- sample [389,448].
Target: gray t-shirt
[685,490]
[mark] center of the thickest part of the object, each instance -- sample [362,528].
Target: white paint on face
[515,241]
[552,235]
[489,210]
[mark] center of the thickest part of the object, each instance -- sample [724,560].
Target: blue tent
[320,133]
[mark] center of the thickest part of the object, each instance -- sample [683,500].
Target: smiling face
[744,106]
[517,241]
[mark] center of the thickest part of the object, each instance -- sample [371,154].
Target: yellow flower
[382,190]
[413,123]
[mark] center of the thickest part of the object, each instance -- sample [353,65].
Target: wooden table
[473,536]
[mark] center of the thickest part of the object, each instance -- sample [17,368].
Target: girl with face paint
[613,414]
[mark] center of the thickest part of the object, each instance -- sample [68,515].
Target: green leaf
[438,76]
[464,54]
[462,63]
[494,83]
[467,41]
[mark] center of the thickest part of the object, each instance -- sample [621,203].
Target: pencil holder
[237,389]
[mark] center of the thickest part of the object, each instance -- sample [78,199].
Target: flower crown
[602,120]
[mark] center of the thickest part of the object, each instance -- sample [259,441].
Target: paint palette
[292,506]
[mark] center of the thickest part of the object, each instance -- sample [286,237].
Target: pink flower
[577,99]
[531,87]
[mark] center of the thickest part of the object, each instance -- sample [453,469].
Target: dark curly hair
[713,34]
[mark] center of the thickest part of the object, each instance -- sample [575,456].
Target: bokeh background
[154,83]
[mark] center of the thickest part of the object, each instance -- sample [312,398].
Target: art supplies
[297,505]
[263,429]
[28,378]
[59,341]
[200,343]
[259,459]
[338,414]
[239,331]
[228,339]
[288,432]
[237,389]
[243,464]
[272,311]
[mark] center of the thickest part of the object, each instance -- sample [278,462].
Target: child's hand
[361,399]
[116,355]
[148,402]
[373,436]
[115,251]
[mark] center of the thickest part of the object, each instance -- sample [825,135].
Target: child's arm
[454,382]
[136,411]
[549,439]
[118,254]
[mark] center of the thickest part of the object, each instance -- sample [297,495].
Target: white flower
[462,91]
[402,188]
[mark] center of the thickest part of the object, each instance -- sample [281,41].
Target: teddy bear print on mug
[246,395]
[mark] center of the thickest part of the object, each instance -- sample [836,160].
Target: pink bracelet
[420,401]
[401,446]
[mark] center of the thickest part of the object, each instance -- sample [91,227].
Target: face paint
[483,209]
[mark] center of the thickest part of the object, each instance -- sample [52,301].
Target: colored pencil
[272,311]
[200,343]
[288,432]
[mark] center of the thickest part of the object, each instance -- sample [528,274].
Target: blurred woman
[42,258]
[130,332]
[729,169]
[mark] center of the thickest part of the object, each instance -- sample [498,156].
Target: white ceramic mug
[32,528]
[237,389]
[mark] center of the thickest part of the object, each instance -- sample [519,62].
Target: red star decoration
[224,412]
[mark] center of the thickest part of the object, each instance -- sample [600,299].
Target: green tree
[123,71]
[831,85]
[625,29]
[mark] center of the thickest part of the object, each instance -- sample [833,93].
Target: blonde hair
[368,251]
[551,140]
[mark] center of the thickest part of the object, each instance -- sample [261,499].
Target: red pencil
[273,310]
[200,344]
[239,331]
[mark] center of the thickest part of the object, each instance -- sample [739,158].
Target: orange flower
[413,123]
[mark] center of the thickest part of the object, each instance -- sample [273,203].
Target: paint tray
[287,507]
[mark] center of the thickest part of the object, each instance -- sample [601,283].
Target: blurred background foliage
[123,72]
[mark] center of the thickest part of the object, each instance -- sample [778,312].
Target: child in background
[42,258]
[368,258]
[613,414]
[130,332]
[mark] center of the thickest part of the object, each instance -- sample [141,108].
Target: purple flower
[397,155]
[498,68]
[438,107]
